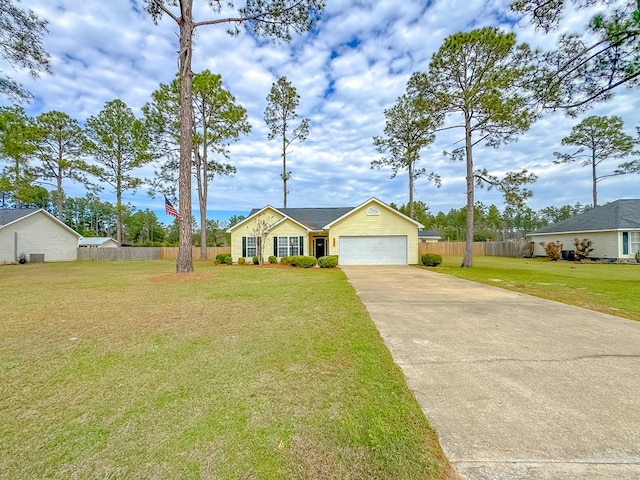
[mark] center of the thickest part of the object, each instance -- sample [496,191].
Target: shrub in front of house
[584,248]
[431,259]
[241,261]
[637,256]
[228,260]
[255,260]
[273,259]
[302,261]
[329,261]
[221,256]
[284,260]
[553,250]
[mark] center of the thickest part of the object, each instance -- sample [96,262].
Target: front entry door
[320,246]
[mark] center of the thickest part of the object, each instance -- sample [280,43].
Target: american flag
[170,209]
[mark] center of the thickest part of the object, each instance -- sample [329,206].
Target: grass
[608,288]
[118,370]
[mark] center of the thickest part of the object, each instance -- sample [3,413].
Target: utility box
[36,258]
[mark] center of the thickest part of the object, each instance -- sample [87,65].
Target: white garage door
[380,250]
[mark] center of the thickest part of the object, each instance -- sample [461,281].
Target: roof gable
[13,215]
[320,218]
[254,213]
[378,202]
[618,215]
[10,215]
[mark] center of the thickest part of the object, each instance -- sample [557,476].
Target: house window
[250,247]
[373,211]
[287,246]
[634,242]
[283,247]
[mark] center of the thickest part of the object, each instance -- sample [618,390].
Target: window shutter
[275,246]
[301,246]
[625,243]
[244,246]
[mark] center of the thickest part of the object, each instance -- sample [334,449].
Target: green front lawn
[123,370]
[608,288]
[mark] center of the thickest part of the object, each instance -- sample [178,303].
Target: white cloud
[352,67]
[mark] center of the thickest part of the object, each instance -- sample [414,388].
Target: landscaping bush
[241,261]
[228,260]
[637,257]
[431,259]
[221,256]
[330,261]
[284,260]
[553,250]
[273,259]
[255,260]
[583,248]
[302,261]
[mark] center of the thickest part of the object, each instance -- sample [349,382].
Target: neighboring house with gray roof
[97,242]
[613,228]
[428,236]
[34,231]
[372,233]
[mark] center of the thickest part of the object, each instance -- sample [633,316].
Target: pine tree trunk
[594,179]
[284,166]
[411,189]
[467,261]
[184,261]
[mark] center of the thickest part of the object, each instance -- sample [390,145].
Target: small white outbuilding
[36,235]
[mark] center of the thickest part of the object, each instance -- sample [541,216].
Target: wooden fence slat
[516,249]
[143,253]
[451,249]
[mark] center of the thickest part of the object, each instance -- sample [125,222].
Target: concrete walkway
[517,387]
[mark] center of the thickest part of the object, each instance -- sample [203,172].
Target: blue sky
[347,71]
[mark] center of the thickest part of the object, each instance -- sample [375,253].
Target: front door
[320,246]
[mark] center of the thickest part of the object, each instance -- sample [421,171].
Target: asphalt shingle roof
[618,215]
[9,215]
[313,218]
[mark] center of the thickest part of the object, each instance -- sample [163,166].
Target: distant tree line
[490,223]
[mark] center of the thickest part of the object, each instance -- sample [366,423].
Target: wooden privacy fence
[517,249]
[171,253]
[450,249]
[144,253]
[120,253]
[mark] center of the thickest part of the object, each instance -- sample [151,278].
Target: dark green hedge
[330,261]
[431,259]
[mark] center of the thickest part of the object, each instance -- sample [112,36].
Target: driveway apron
[516,386]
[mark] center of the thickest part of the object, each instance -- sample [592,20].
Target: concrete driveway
[517,387]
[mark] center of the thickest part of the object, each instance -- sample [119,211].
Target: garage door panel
[373,250]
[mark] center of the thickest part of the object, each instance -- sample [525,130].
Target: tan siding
[287,229]
[248,230]
[387,222]
[38,233]
[605,244]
